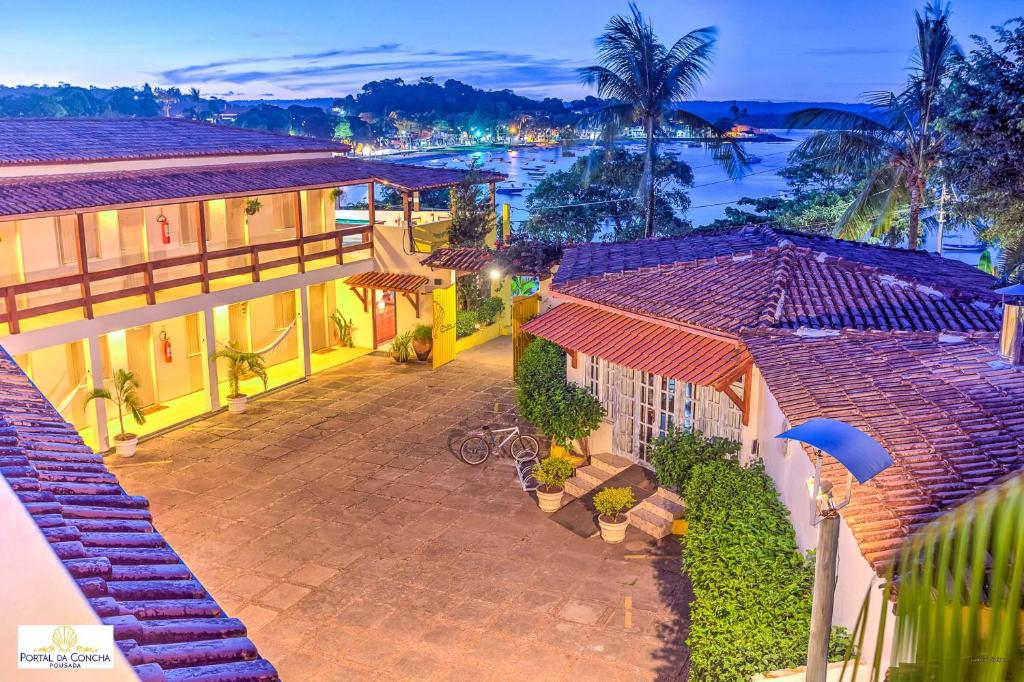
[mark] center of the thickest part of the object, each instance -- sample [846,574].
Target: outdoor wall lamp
[862,457]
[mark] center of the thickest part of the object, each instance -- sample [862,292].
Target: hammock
[273,344]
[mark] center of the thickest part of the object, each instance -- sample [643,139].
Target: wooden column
[371,203]
[407,217]
[13,326]
[83,266]
[415,201]
[204,262]
[298,231]
[492,196]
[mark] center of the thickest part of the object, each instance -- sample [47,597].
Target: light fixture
[495,274]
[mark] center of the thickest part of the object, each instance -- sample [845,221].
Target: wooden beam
[371,203]
[574,358]
[254,263]
[415,201]
[414,302]
[204,262]
[361,295]
[748,380]
[407,216]
[298,231]
[13,327]
[492,195]
[148,278]
[83,265]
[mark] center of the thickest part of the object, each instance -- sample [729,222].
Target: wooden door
[139,347]
[385,325]
[319,333]
[444,325]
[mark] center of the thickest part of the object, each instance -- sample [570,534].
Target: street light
[863,459]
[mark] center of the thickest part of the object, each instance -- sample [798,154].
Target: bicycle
[478,445]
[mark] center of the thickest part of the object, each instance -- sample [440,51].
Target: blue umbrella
[857,451]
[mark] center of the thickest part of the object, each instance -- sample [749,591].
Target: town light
[495,274]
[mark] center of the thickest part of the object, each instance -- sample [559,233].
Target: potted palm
[253,206]
[401,348]
[551,474]
[422,341]
[345,329]
[610,504]
[241,363]
[125,395]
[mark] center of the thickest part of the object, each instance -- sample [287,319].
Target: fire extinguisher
[165,347]
[165,230]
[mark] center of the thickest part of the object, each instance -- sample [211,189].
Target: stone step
[593,475]
[652,524]
[577,487]
[671,497]
[608,462]
[663,507]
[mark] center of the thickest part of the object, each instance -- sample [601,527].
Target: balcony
[429,226]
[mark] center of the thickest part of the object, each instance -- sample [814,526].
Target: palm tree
[898,148]
[125,396]
[240,363]
[644,79]
[959,588]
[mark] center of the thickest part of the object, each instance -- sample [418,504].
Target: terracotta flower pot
[422,349]
[613,530]
[550,501]
[125,444]
[237,404]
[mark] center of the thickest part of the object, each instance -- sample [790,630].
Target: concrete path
[334,521]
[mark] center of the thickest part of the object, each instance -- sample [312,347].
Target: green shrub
[552,472]
[465,323]
[540,377]
[751,609]
[575,414]
[674,455]
[401,347]
[422,333]
[611,502]
[489,309]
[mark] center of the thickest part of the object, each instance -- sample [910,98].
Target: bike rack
[524,470]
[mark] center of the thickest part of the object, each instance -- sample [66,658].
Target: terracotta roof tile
[29,195]
[26,141]
[389,281]
[640,345]
[165,622]
[948,412]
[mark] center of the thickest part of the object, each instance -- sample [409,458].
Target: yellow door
[444,325]
[524,309]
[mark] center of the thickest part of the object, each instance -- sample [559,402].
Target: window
[284,310]
[67,238]
[594,375]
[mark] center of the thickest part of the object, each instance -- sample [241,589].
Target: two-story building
[149,244]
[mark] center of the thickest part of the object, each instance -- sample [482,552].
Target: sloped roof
[389,281]
[640,345]
[92,191]
[917,267]
[165,622]
[790,286]
[29,141]
[946,408]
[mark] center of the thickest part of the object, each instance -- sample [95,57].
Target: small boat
[753,158]
[978,247]
[510,189]
[567,152]
[694,144]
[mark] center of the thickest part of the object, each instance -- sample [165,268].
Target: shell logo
[64,638]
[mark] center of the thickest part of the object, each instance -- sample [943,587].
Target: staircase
[653,516]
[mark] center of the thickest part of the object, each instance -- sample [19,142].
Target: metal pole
[824,597]
[942,217]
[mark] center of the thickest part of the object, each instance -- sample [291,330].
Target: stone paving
[333,519]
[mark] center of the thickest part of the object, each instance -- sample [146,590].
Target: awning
[640,345]
[388,281]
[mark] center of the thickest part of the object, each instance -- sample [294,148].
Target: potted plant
[610,504]
[422,341]
[253,206]
[345,329]
[241,363]
[551,474]
[126,397]
[401,348]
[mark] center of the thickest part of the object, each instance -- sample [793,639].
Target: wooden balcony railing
[337,250]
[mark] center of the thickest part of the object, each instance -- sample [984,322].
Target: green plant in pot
[576,414]
[611,504]
[126,397]
[345,329]
[422,341]
[240,363]
[253,206]
[401,348]
[551,474]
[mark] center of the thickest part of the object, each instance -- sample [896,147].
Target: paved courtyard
[333,519]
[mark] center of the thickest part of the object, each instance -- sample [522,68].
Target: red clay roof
[165,622]
[917,267]
[640,345]
[28,141]
[946,408]
[785,285]
[463,259]
[388,281]
[65,193]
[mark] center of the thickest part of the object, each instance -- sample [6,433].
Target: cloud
[332,70]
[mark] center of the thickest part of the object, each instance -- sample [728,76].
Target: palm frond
[824,118]
[97,394]
[846,151]
[860,215]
